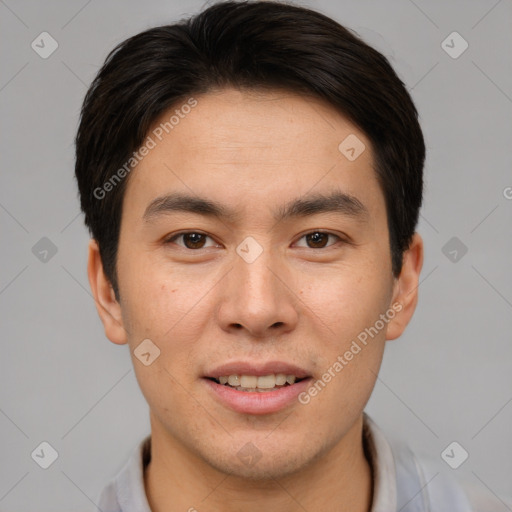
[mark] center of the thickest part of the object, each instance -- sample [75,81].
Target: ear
[405,288]
[108,308]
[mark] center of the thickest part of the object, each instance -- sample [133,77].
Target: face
[281,271]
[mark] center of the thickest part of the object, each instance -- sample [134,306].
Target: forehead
[253,147]
[257,123]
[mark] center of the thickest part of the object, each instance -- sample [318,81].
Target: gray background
[447,379]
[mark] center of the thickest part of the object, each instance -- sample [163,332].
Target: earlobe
[405,291]
[107,305]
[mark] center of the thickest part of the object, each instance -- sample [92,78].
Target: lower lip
[255,402]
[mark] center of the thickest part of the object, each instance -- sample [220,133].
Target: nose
[258,297]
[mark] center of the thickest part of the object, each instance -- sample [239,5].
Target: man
[252,179]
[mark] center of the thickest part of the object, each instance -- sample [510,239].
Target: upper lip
[257,369]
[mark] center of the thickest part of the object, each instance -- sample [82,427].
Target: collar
[400,483]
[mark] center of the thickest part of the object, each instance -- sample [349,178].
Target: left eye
[318,239]
[195,240]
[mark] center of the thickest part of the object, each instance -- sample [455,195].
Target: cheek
[161,308]
[156,298]
[350,304]
[348,300]
[168,308]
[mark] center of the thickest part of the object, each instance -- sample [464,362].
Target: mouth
[257,384]
[249,388]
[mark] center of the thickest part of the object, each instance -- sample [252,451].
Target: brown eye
[190,240]
[194,240]
[318,239]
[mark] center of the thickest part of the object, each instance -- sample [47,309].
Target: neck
[339,479]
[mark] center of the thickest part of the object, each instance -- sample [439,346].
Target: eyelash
[182,233]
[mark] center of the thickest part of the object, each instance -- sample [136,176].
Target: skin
[297,302]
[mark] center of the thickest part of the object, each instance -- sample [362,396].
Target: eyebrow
[312,204]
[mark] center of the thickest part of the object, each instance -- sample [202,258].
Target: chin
[265,469]
[260,461]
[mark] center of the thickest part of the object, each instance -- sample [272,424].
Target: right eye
[191,239]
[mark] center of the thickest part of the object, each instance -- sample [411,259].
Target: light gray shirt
[401,483]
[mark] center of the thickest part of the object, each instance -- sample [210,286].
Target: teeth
[280,379]
[265,382]
[234,380]
[247,381]
[252,383]
[253,390]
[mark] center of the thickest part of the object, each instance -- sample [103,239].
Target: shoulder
[470,496]
[418,483]
[126,493]
[108,499]
[484,500]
